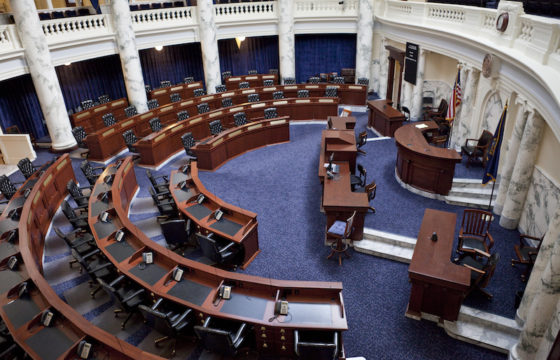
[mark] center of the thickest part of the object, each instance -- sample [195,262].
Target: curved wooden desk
[313,305]
[22,314]
[186,91]
[421,165]
[155,148]
[228,144]
[255,80]
[92,119]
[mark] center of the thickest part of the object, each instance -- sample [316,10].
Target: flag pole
[491,195]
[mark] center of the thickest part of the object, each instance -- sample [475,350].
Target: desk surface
[342,122]
[411,137]
[382,106]
[337,192]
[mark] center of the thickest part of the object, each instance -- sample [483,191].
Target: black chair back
[313,80]
[203,108]
[108,119]
[220,88]
[240,118]
[227,102]
[80,135]
[175,97]
[243,85]
[224,340]
[188,142]
[273,71]
[155,124]
[129,139]
[319,345]
[157,320]
[226,74]
[87,169]
[268,82]
[87,104]
[303,93]
[188,80]
[103,99]
[252,72]
[175,231]
[182,115]
[216,127]
[130,111]
[270,113]
[6,187]
[152,104]
[278,95]
[164,83]
[199,92]
[209,247]
[363,81]
[289,81]
[26,167]
[253,98]
[76,193]
[338,80]
[331,91]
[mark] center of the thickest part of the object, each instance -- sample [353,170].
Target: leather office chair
[406,113]
[270,113]
[26,167]
[338,80]
[331,91]
[221,88]
[340,231]
[268,82]
[176,232]
[130,111]
[289,81]
[474,238]
[130,139]
[225,75]
[361,141]
[317,345]
[188,142]
[152,104]
[148,89]
[244,85]
[363,81]
[76,192]
[221,336]
[165,205]
[103,99]
[199,92]
[252,72]
[171,324]
[220,251]
[188,80]
[159,187]
[7,188]
[277,95]
[313,80]
[175,97]
[155,124]
[80,136]
[164,83]
[127,297]
[253,98]
[80,241]
[96,266]
[303,93]
[438,114]
[240,118]
[109,119]
[360,179]
[273,71]
[216,127]
[527,251]
[87,104]
[203,108]
[77,221]
[481,272]
[227,102]
[479,150]
[90,172]
[182,115]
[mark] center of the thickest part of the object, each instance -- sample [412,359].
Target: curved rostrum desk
[25,294]
[215,151]
[92,119]
[312,305]
[421,165]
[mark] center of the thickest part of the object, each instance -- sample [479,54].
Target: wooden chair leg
[372,209]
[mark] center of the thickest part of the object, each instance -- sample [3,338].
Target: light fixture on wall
[239,40]
[159,48]
[68,63]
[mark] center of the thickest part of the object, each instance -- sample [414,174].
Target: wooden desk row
[255,80]
[421,165]
[313,305]
[383,117]
[211,154]
[92,119]
[186,91]
[22,314]
[155,148]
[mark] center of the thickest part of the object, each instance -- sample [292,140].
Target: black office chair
[130,139]
[165,205]
[253,98]
[155,124]
[482,270]
[221,88]
[270,113]
[268,82]
[161,188]
[360,179]
[152,104]
[331,91]
[108,119]
[277,95]
[317,345]
[80,241]
[221,336]
[289,81]
[203,108]
[78,221]
[303,93]
[361,141]
[80,136]
[76,192]
[164,83]
[188,142]
[176,232]
[220,251]
[91,173]
[240,118]
[216,127]
[273,71]
[26,167]
[171,324]
[96,265]
[338,80]
[175,97]
[227,102]
[188,80]
[87,104]
[148,89]
[225,75]
[252,72]
[127,296]
[199,92]
[182,115]
[313,80]
[103,99]
[363,81]
[130,111]
[244,85]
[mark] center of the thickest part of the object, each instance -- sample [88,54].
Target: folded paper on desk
[421,126]
[335,168]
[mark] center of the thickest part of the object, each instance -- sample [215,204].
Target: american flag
[455,98]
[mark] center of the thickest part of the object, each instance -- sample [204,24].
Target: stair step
[467,201]
[488,319]
[473,192]
[384,250]
[472,183]
[389,238]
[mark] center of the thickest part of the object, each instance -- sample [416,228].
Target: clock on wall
[502,22]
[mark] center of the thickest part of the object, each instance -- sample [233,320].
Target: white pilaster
[417,92]
[383,69]
[286,39]
[128,53]
[43,74]
[364,39]
[209,45]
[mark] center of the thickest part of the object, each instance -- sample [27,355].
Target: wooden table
[383,117]
[421,165]
[438,285]
[342,122]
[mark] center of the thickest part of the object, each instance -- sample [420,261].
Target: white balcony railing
[325,8]
[163,18]
[8,38]
[240,12]
[75,28]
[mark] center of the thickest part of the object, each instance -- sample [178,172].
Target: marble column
[466,129]
[550,334]
[510,155]
[42,72]
[383,70]
[209,45]
[542,310]
[417,92]
[457,138]
[128,53]
[522,172]
[364,39]
[286,39]
[406,99]
[534,283]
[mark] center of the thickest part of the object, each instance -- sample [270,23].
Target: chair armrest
[91,253]
[98,168]
[474,269]
[483,253]
[117,281]
[227,247]
[82,242]
[157,303]
[491,240]
[239,333]
[467,141]
[132,296]
[525,236]
[181,318]
[101,267]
